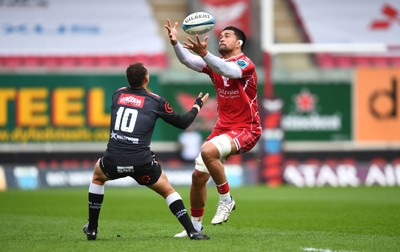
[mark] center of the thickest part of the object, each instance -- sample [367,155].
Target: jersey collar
[233,58]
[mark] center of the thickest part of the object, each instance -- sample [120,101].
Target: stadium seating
[310,13]
[142,43]
[329,61]
[51,62]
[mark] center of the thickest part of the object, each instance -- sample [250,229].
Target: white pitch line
[324,250]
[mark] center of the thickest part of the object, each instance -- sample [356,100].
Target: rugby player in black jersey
[134,112]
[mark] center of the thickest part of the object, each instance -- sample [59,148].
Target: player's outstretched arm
[172,32]
[185,120]
[188,59]
[197,46]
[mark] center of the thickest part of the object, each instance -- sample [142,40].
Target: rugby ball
[198,23]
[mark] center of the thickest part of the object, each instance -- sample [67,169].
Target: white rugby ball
[198,23]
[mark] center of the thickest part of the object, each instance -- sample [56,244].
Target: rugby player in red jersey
[238,127]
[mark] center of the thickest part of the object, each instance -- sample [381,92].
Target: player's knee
[199,164]
[217,147]
[99,177]
[98,180]
[208,152]
[199,178]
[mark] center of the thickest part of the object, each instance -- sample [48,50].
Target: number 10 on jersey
[126,119]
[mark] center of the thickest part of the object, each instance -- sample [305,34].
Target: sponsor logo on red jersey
[131,100]
[243,64]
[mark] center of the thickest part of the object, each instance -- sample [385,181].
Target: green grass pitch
[136,219]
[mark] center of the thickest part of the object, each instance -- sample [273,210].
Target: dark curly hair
[136,74]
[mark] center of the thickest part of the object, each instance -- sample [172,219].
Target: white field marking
[324,250]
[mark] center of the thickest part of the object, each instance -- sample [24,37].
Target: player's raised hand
[199,47]
[172,32]
[200,100]
[203,98]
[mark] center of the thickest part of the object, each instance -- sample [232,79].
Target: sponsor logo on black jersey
[131,100]
[168,108]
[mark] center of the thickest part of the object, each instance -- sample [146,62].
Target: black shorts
[146,174]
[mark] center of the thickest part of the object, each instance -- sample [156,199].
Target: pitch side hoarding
[377,105]
[316,111]
[62,108]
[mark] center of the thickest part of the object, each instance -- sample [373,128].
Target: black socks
[95,201]
[179,210]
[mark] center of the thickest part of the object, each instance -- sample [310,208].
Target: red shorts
[244,138]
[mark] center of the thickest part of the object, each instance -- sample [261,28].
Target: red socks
[224,188]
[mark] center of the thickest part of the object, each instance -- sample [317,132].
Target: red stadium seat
[86,61]
[32,61]
[51,61]
[125,61]
[12,62]
[161,61]
[344,61]
[69,61]
[380,61]
[361,61]
[105,61]
[325,60]
[395,62]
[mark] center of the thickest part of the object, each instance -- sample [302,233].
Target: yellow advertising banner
[377,105]
[65,107]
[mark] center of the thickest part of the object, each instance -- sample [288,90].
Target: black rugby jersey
[134,113]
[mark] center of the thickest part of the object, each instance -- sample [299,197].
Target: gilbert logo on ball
[198,23]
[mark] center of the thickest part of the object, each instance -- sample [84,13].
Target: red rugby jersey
[237,98]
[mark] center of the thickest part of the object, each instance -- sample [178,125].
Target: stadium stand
[174,10]
[288,30]
[379,19]
[295,22]
[66,43]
